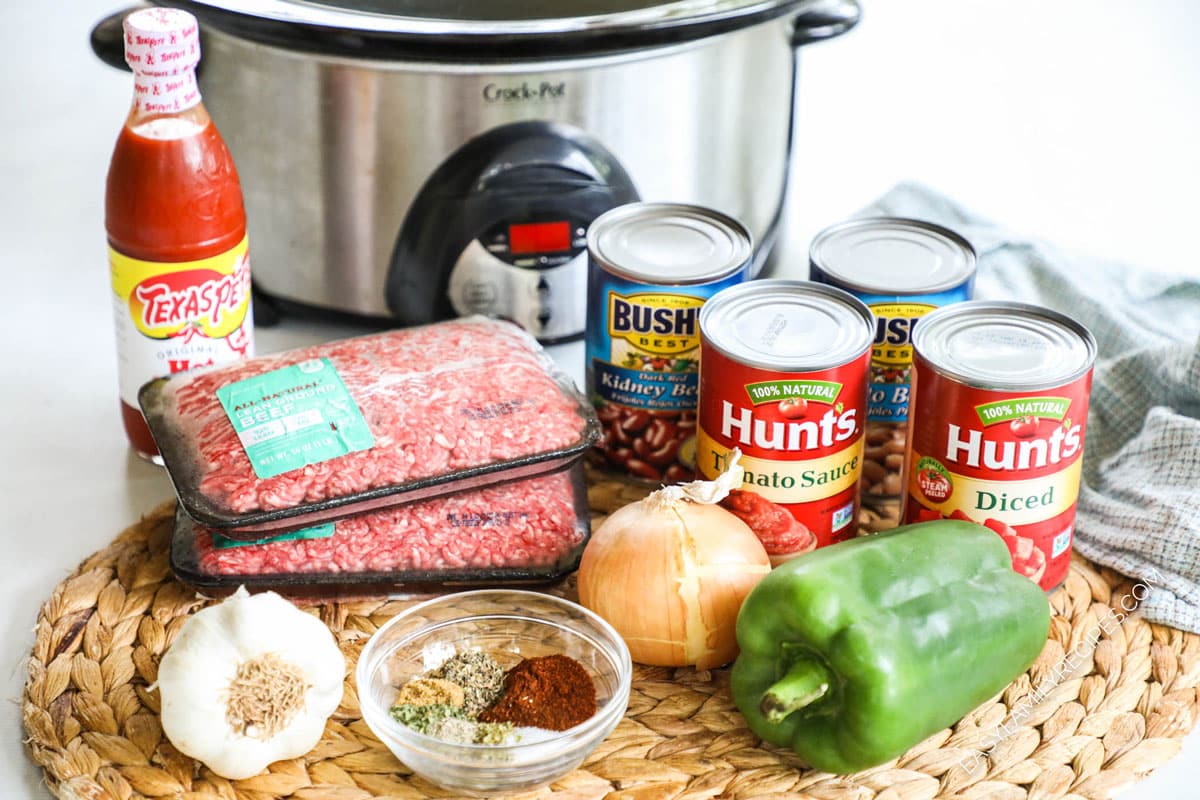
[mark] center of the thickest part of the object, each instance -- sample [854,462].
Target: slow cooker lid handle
[825,19]
[108,37]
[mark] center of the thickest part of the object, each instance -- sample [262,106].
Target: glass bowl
[509,625]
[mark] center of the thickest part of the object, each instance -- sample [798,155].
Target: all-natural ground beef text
[438,399]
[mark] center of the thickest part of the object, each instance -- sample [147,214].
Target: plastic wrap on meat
[438,400]
[523,524]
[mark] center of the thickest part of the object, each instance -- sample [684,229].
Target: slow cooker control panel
[500,229]
[534,273]
[536,245]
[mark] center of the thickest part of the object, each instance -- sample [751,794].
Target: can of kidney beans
[652,267]
[902,269]
[783,377]
[999,411]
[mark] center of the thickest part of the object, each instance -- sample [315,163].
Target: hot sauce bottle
[175,220]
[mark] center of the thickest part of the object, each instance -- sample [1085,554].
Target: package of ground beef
[286,440]
[528,530]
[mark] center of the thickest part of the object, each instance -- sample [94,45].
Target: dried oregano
[481,678]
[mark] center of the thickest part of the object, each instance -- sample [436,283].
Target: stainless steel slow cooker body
[338,119]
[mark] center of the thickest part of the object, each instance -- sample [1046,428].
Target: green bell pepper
[853,653]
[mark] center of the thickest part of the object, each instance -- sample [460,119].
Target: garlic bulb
[670,573]
[248,682]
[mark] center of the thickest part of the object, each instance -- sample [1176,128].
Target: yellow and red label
[1008,460]
[174,316]
[800,433]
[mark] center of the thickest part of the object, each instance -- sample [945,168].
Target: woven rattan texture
[1126,697]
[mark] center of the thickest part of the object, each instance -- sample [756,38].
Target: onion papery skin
[671,578]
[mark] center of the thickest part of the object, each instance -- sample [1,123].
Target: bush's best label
[643,359]
[1010,461]
[172,317]
[891,359]
[892,352]
[653,347]
[801,436]
[649,357]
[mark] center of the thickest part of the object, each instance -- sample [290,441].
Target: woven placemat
[1115,699]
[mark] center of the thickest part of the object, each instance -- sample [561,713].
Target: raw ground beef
[438,399]
[529,523]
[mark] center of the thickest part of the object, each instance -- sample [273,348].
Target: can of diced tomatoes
[902,269]
[783,377]
[998,415]
[652,267]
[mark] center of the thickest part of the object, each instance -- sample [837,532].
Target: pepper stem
[807,680]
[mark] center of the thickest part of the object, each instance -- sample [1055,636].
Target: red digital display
[539,237]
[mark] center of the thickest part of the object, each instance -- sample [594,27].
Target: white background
[1077,120]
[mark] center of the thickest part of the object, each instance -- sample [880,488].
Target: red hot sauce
[175,221]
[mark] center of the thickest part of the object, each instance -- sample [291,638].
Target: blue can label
[892,352]
[643,364]
[652,356]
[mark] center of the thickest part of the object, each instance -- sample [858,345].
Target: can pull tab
[825,19]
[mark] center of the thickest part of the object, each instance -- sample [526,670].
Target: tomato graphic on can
[783,378]
[999,411]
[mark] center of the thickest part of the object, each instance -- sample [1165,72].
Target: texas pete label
[172,317]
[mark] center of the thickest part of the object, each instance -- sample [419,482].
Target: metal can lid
[787,325]
[1004,345]
[893,255]
[669,243]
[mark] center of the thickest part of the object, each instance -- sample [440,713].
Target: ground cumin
[552,692]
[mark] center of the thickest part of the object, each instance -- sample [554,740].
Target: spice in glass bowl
[551,692]
[450,724]
[431,691]
[469,699]
[481,679]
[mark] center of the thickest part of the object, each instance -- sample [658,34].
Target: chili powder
[552,692]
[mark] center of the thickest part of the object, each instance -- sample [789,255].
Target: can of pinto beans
[998,414]
[902,269]
[783,377]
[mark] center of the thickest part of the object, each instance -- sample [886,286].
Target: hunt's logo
[662,324]
[894,323]
[201,301]
[1018,434]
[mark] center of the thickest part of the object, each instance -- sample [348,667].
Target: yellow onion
[670,573]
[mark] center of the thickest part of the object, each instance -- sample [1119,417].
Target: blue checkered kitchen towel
[1139,506]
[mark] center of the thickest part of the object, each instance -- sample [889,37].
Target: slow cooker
[414,160]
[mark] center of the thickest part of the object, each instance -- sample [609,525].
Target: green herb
[422,719]
[480,677]
[465,731]
[493,732]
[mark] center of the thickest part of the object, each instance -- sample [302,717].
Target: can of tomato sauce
[902,269]
[783,378]
[999,410]
[652,267]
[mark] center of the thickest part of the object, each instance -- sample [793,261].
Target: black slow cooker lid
[449,30]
